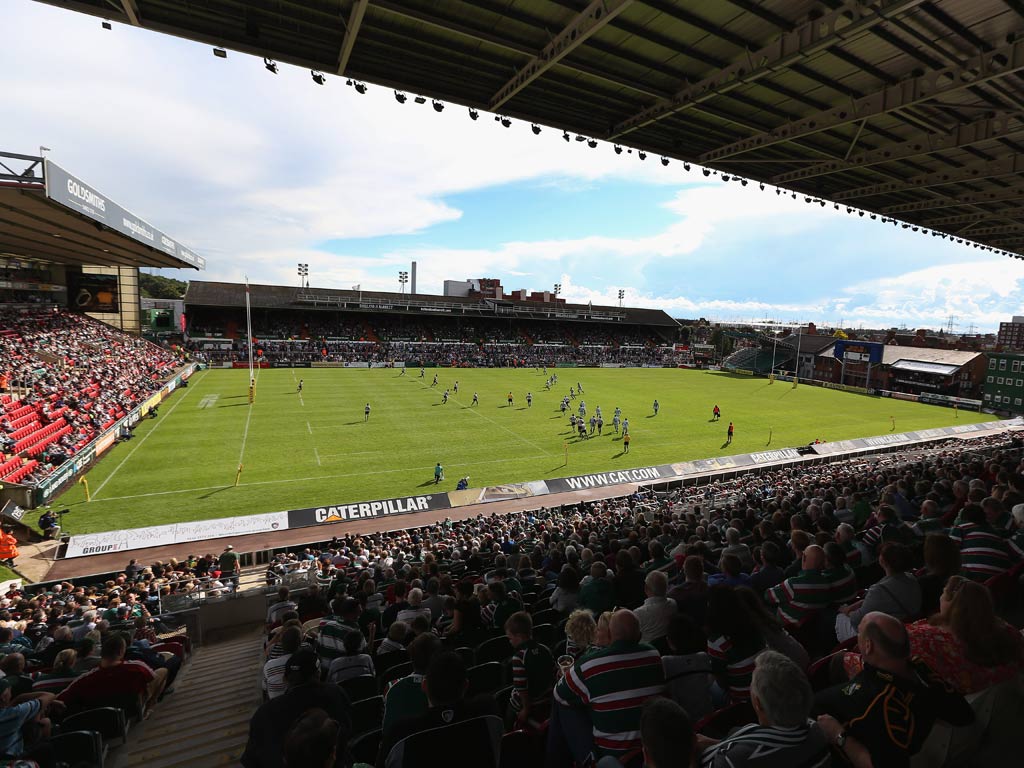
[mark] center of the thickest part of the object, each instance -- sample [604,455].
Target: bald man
[888,709]
[799,598]
[599,700]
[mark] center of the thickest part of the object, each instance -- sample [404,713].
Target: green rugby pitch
[315,449]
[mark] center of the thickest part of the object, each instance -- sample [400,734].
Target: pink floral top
[944,654]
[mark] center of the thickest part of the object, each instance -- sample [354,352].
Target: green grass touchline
[315,448]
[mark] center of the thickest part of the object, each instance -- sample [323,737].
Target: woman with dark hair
[965,643]
[734,640]
[897,593]
[628,584]
[941,560]
[567,594]
[466,624]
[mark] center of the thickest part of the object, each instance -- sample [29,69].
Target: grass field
[313,449]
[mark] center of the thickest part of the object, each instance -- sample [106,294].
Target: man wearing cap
[274,719]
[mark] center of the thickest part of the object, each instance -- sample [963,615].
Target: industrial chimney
[414,277]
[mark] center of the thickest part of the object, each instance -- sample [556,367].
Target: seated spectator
[897,594]
[886,712]
[405,697]
[603,631]
[60,676]
[271,723]
[598,701]
[533,670]
[941,561]
[445,684]
[312,604]
[782,698]
[965,643]
[733,643]
[767,572]
[313,741]
[416,608]
[628,583]
[930,520]
[657,609]
[500,607]
[400,589]
[88,652]
[13,668]
[566,596]
[666,734]
[798,542]
[398,632]
[734,546]
[842,580]
[580,632]
[115,677]
[688,667]
[799,598]
[273,670]
[342,621]
[354,663]
[597,594]
[846,538]
[277,610]
[731,573]
[984,551]
[273,647]
[691,596]
[888,528]
[28,713]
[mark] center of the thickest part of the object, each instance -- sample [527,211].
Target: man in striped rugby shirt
[800,597]
[984,552]
[784,735]
[598,701]
[533,669]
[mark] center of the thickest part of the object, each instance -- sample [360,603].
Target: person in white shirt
[657,610]
[273,671]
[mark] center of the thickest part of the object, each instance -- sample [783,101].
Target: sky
[260,172]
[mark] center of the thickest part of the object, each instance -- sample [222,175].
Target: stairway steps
[205,723]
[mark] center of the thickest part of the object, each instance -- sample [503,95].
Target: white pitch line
[309,428]
[317,457]
[308,479]
[138,445]
[502,426]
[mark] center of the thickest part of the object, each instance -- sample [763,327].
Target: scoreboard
[859,351]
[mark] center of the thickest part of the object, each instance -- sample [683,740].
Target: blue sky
[258,172]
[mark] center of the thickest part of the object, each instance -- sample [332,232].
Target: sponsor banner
[301,518]
[66,472]
[108,438]
[497,493]
[602,479]
[716,464]
[79,196]
[326,364]
[175,533]
[961,402]
[286,364]
[742,371]
[611,365]
[842,387]
[380,365]
[838,446]
[357,365]
[884,440]
[245,364]
[782,454]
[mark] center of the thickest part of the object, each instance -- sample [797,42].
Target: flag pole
[248,330]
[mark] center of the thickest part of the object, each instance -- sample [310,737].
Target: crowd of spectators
[75,375]
[471,342]
[698,627]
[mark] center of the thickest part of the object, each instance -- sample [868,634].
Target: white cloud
[258,172]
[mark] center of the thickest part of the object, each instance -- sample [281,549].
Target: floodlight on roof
[618,150]
[420,100]
[220,53]
[270,64]
[505,121]
[664,160]
[473,114]
[360,87]
[400,97]
[318,77]
[536,129]
[437,105]
[565,135]
[592,143]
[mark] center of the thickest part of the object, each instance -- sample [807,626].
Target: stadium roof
[217,294]
[910,110]
[46,214]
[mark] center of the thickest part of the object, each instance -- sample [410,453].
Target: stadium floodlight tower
[622,295]
[303,275]
[403,278]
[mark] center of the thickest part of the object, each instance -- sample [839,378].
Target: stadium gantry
[907,111]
